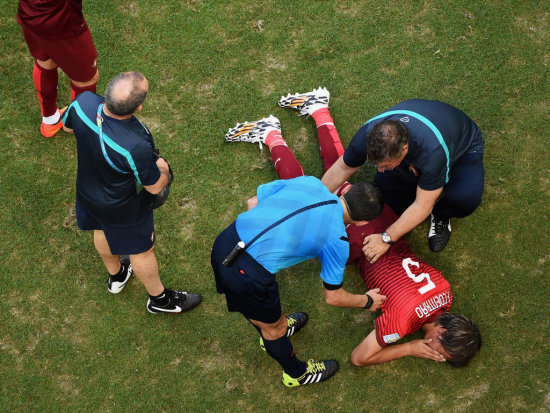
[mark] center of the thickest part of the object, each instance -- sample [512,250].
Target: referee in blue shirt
[287,222]
[429,157]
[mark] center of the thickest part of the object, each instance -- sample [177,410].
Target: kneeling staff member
[287,222]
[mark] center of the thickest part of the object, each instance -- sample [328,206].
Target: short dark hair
[462,339]
[386,141]
[365,201]
[136,97]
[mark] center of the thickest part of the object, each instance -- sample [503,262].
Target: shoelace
[440,225]
[290,321]
[315,367]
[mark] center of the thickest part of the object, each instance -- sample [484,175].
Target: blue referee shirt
[439,134]
[317,232]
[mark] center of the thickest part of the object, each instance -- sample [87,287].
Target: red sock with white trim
[45,82]
[329,140]
[286,164]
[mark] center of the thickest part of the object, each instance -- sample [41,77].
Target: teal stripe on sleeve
[112,144]
[67,112]
[425,121]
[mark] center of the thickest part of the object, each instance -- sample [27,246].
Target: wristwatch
[386,238]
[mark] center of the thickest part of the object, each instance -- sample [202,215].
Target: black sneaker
[116,283]
[294,322]
[439,234]
[178,302]
[317,371]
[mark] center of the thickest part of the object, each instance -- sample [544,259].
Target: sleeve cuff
[332,286]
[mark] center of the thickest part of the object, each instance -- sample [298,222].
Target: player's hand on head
[377,299]
[374,247]
[420,348]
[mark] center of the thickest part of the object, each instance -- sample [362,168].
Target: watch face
[386,238]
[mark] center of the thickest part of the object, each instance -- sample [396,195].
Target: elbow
[154,190]
[333,300]
[330,300]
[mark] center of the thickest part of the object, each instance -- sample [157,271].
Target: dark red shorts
[76,56]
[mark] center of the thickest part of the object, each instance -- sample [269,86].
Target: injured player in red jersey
[417,295]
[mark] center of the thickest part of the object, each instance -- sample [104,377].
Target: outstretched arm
[417,212]
[369,352]
[343,298]
[337,174]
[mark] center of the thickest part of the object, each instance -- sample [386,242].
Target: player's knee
[356,359]
[464,205]
[90,82]
[150,253]
[276,330]
[46,64]
[273,333]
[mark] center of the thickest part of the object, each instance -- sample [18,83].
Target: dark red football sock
[329,141]
[286,164]
[45,82]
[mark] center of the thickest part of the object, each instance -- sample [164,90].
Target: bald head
[125,93]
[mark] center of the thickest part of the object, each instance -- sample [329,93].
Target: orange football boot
[48,131]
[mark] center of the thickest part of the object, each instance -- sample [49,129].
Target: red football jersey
[54,19]
[416,292]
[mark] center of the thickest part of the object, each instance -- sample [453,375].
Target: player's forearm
[417,212]
[163,180]
[343,298]
[389,353]
[337,174]
[410,219]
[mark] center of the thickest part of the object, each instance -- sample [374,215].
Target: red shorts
[76,56]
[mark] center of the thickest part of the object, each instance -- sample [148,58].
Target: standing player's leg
[137,241]
[278,346]
[295,372]
[80,87]
[267,131]
[119,269]
[45,79]
[77,57]
[161,299]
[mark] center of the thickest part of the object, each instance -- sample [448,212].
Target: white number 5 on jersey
[407,262]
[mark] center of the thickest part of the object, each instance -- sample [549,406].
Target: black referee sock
[162,299]
[283,351]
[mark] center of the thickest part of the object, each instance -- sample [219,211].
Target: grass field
[66,344]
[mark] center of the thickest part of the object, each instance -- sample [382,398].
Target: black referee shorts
[248,287]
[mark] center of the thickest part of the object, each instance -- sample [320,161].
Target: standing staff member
[57,36]
[422,148]
[115,151]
